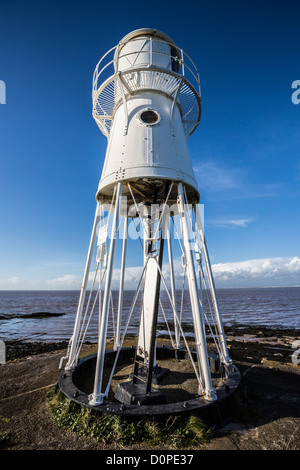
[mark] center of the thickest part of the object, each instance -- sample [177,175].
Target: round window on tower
[149,117]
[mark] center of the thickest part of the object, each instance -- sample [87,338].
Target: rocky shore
[265,412]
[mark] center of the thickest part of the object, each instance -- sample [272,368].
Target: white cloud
[255,273]
[9,283]
[293,265]
[258,272]
[67,281]
[232,182]
[229,222]
[215,178]
[249,273]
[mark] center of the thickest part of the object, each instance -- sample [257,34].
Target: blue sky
[246,150]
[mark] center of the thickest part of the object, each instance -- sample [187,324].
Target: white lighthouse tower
[147,102]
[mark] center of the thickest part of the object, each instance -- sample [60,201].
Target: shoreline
[241,335]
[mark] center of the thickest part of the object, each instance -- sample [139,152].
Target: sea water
[50,315]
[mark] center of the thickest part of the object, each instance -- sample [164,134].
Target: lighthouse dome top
[147,32]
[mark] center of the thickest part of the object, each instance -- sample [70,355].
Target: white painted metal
[147,101]
[143,50]
[145,328]
[125,329]
[172,280]
[148,73]
[144,72]
[146,215]
[208,389]
[147,152]
[121,288]
[97,396]
[226,359]
[74,340]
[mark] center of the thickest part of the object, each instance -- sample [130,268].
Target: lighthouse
[147,103]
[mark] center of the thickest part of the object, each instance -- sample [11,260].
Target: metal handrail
[105,95]
[182,63]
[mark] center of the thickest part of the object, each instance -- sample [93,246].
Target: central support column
[139,389]
[148,323]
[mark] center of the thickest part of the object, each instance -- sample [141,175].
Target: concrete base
[134,394]
[158,374]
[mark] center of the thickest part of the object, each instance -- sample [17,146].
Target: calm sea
[273,307]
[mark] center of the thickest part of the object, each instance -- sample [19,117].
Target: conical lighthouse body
[147,102]
[147,142]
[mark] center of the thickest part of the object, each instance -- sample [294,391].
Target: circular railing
[113,84]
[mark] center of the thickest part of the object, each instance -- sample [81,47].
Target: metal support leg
[172,278]
[226,357]
[120,304]
[97,397]
[208,391]
[72,357]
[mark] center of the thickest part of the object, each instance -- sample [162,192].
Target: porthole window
[149,117]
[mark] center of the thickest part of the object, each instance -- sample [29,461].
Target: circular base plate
[73,384]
